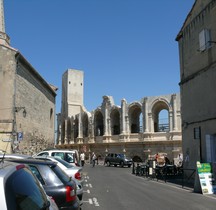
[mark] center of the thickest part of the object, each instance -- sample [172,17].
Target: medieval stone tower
[72,92]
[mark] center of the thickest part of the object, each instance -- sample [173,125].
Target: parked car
[56,183]
[70,156]
[118,159]
[73,171]
[20,189]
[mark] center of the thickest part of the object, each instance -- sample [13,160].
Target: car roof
[57,160]
[62,150]
[33,161]
[18,156]
[45,156]
[7,167]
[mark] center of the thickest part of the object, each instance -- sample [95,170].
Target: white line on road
[88,191]
[92,201]
[96,202]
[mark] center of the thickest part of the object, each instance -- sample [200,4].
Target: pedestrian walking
[82,158]
[93,159]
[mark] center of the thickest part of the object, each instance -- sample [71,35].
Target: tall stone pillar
[105,120]
[127,124]
[58,136]
[58,139]
[80,127]
[151,122]
[123,117]
[171,120]
[174,111]
[66,132]
[145,115]
[109,126]
[92,131]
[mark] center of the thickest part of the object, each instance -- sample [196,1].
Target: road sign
[20,136]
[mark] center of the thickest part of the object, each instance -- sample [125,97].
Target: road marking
[96,202]
[90,201]
[88,191]
[85,201]
[90,185]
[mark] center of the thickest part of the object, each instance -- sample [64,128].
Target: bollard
[133,168]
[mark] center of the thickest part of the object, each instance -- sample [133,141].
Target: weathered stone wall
[7,75]
[23,89]
[198,76]
[39,103]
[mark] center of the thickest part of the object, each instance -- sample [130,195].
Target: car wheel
[129,166]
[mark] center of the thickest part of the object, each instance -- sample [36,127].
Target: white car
[70,156]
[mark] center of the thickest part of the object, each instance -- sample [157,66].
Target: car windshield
[66,164]
[121,155]
[70,157]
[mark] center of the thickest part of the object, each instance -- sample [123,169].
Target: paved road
[115,188]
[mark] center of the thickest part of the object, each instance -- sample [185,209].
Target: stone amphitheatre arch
[130,128]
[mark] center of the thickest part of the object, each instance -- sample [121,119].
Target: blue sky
[126,48]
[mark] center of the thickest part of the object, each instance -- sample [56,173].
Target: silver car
[19,189]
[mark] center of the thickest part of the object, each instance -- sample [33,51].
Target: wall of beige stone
[72,92]
[198,75]
[39,102]
[7,75]
[21,86]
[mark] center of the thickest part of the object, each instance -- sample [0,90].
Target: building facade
[197,52]
[133,128]
[27,101]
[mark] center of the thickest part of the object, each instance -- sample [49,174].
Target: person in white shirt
[82,158]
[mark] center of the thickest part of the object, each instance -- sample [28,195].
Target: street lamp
[17,109]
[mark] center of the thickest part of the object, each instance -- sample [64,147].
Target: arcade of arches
[146,127]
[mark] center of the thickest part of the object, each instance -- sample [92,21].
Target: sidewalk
[177,182]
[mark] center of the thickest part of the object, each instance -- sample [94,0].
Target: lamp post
[17,109]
